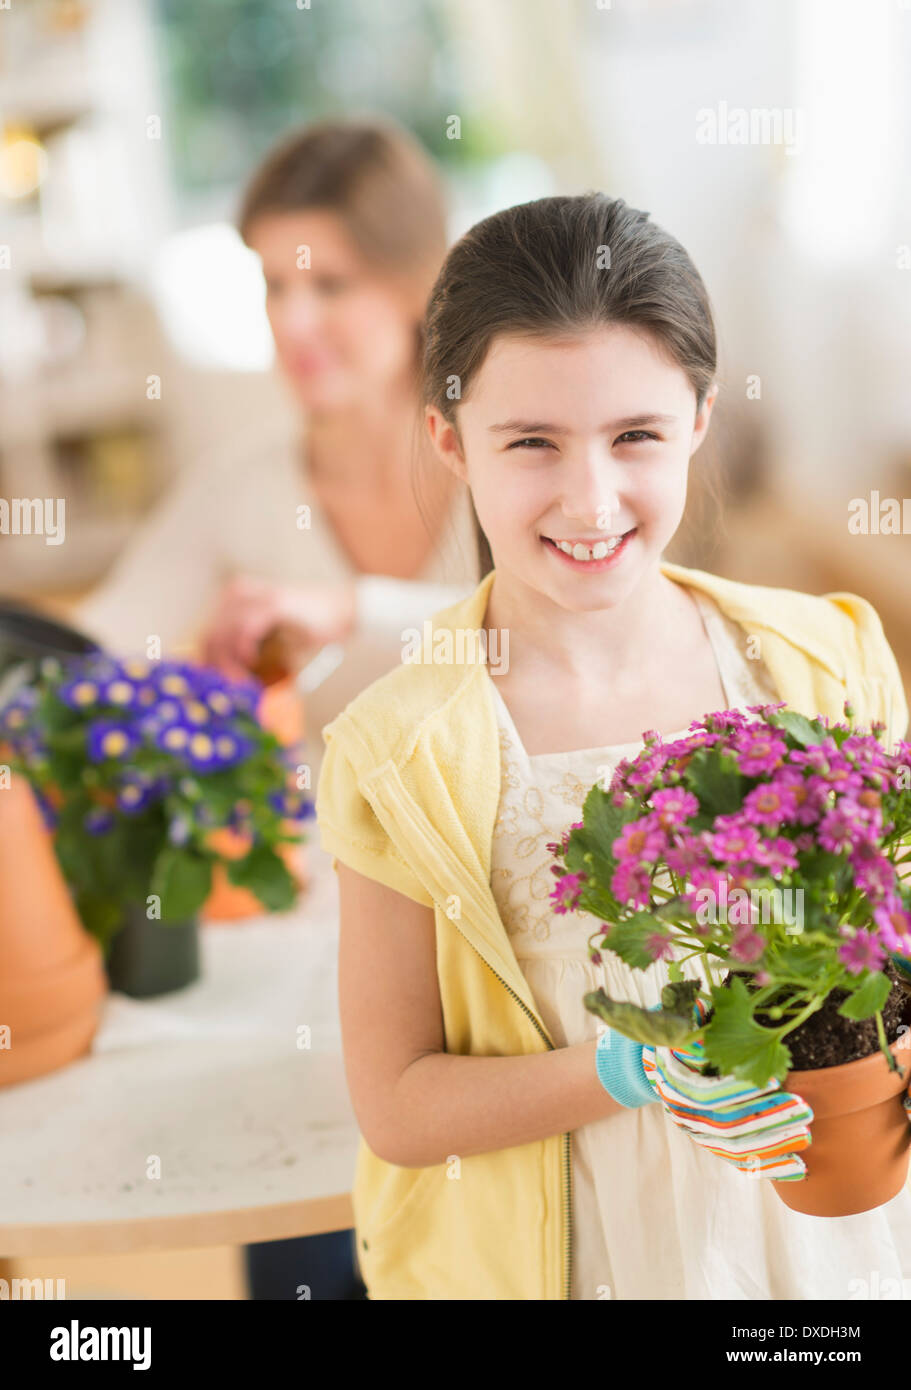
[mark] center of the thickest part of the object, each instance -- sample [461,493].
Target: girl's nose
[590,493]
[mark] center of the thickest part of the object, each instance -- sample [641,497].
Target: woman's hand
[249,609]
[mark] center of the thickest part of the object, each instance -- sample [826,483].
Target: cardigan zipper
[566,1138]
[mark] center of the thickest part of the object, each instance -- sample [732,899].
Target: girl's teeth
[585,552]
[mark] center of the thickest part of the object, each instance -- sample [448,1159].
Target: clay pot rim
[856,1085]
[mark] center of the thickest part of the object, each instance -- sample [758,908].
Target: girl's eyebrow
[631,422]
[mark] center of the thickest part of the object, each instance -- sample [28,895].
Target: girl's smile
[591,555]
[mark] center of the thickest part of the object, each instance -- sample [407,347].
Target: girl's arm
[415,1103]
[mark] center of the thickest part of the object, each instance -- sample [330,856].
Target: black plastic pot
[148,957]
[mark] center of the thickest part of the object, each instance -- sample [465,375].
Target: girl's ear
[701,423]
[445,440]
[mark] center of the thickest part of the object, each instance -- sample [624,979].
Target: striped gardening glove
[759,1129]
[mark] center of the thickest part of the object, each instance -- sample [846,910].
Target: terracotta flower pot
[52,978]
[861,1136]
[228,903]
[280,711]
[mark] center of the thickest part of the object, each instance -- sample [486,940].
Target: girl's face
[583,441]
[341,330]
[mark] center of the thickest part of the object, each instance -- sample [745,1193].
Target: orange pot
[281,711]
[52,978]
[861,1136]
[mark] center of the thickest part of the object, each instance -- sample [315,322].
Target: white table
[254,1132]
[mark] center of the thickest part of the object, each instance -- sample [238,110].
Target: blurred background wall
[132,330]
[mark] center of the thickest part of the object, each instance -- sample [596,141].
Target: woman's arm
[415,1103]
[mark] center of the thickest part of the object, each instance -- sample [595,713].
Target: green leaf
[589,849]
[805,731]
[627,939]
[712,775]
[182,881]
[679,996]
[661,1028]
[266,876]
[868,998]
[737,1044]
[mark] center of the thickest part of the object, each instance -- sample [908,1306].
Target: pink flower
[873,873]
[631,883]
[565,895]
[894,922]
[777,855]
[862,952]
[686,857]
[641,841]
[770,804]
[734,842]
[658,944]
[758,749]
[840,828]
[746,944]
[673,805]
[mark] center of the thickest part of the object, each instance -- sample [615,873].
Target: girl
[569,377]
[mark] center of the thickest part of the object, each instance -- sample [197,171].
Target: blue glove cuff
[618,1061]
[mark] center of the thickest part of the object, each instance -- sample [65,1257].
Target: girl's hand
[249,609]
[759,1129]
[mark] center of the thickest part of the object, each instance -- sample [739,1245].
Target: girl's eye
[643,434]
[523,443]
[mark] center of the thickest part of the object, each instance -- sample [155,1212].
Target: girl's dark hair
[557,266]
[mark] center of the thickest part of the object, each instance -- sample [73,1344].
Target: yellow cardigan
[408,794]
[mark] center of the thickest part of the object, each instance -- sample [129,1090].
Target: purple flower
[179,831]
[134,796]
[98,821]
[79,693]
[861,952]
[119,691]
[292,804]
[108,739]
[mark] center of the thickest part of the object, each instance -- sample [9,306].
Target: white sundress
[655,1216]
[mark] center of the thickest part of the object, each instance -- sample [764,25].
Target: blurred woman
[340,529]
